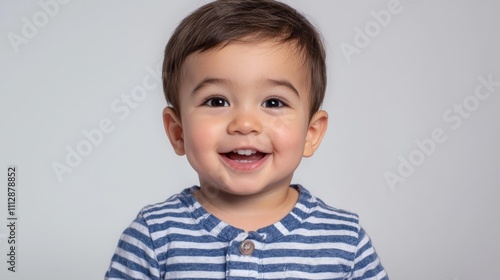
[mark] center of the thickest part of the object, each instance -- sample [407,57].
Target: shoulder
[317,208]
[342,226]
[177,208]
[174,204]
[321,219]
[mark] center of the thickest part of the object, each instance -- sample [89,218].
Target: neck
[249,212]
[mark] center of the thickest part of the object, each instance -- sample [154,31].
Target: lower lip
[244,166]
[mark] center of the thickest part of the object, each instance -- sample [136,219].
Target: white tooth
[245,152]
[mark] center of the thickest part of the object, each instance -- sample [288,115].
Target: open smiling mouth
[245,156]
[244,159]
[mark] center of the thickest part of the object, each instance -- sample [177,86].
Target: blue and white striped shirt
[179,239]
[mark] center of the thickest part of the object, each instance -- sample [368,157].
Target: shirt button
[247,247]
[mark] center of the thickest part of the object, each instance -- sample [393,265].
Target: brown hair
[218,23]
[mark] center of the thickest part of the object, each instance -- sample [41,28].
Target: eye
[216,102]
[273,103]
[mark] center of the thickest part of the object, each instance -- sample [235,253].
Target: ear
[315,132]
[173,128]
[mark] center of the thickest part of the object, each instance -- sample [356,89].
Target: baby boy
[244,81]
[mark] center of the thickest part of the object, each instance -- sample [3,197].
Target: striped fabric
[178,239]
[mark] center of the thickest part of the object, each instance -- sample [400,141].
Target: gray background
[440,223]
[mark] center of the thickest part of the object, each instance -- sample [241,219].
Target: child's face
[244,123]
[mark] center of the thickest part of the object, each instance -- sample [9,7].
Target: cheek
[288,133]
[200,136]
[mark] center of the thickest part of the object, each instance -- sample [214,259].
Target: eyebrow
[282,83]
[268,82]
[209,81]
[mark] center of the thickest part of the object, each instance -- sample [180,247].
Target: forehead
[247,63]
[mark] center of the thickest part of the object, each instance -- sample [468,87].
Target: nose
[245,122]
